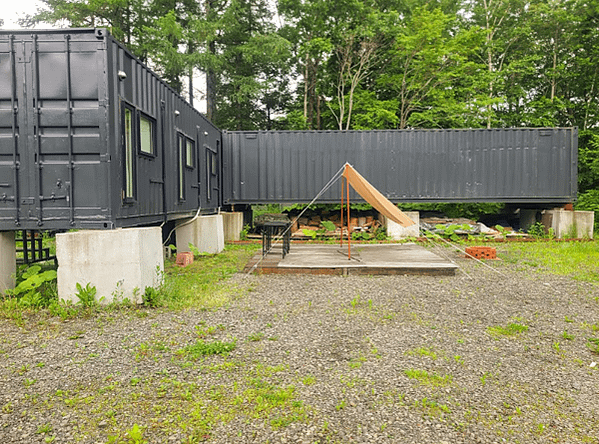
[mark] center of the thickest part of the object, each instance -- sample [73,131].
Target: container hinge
[104,157]
[158,181]
[4,185]
[195,186]
[5,198]
[103,103]
[28,201]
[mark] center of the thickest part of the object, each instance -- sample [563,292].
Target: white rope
[278,238]
[467,254]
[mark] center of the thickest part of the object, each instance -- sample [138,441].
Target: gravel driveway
[479,357]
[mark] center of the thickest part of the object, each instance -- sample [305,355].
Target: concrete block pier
[206,233]
[569,224]
[119,263]
[8,260]
[233,225]
[397,232]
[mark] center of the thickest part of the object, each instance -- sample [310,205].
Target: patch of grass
[195,351]
[425,378]
[432,408]
[256,337]
[200,284]
[593,345]
[308,380]
[512,329]
[203,331]
[485,376]
[44,428]
[423,351]
[579,260]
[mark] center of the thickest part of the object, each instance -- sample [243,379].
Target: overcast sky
[12,10]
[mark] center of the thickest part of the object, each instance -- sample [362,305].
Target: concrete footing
[232,225]
[569,224]
[396,231]
[528,218]
[119,263]
[206,233]
[8,260]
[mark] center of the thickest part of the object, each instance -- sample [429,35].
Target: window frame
[129,152]
[211,170]
[181,138]
[190,154]
[153,136]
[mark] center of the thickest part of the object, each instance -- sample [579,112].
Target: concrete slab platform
[366,259]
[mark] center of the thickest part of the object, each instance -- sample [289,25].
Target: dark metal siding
[530,165]
[50,90]
[62,154]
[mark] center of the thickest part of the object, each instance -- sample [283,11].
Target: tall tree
[429,71]
[247,59]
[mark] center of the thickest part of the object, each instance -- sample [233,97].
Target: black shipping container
[90,137]
[536,166]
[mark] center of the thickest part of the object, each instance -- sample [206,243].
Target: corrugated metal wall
[529,165]
[73,153]
[54,164]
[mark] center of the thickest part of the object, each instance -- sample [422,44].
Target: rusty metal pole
[341,240]
[348,222]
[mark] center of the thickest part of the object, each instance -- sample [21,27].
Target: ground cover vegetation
[486,355]
[370,64]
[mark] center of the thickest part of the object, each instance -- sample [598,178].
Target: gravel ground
[386,359]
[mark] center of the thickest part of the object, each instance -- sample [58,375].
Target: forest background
[370,64]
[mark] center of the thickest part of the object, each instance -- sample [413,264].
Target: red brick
[184,259]
[481,252]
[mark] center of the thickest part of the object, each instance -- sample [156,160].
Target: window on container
[147,135]
[213,164]
[181,165]
[129,154]
[189,153]
[212,170]
[208,173]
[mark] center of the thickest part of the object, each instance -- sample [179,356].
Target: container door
[51,138]
[11,122]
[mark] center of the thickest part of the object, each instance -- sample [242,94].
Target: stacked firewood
[361,221]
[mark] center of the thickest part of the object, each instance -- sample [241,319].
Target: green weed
[593,345]
[423,351]
[87,295]
[195,351]
[512,329]
[308,380]
[256,337]
[433,379]
[44,428]
[433,408]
